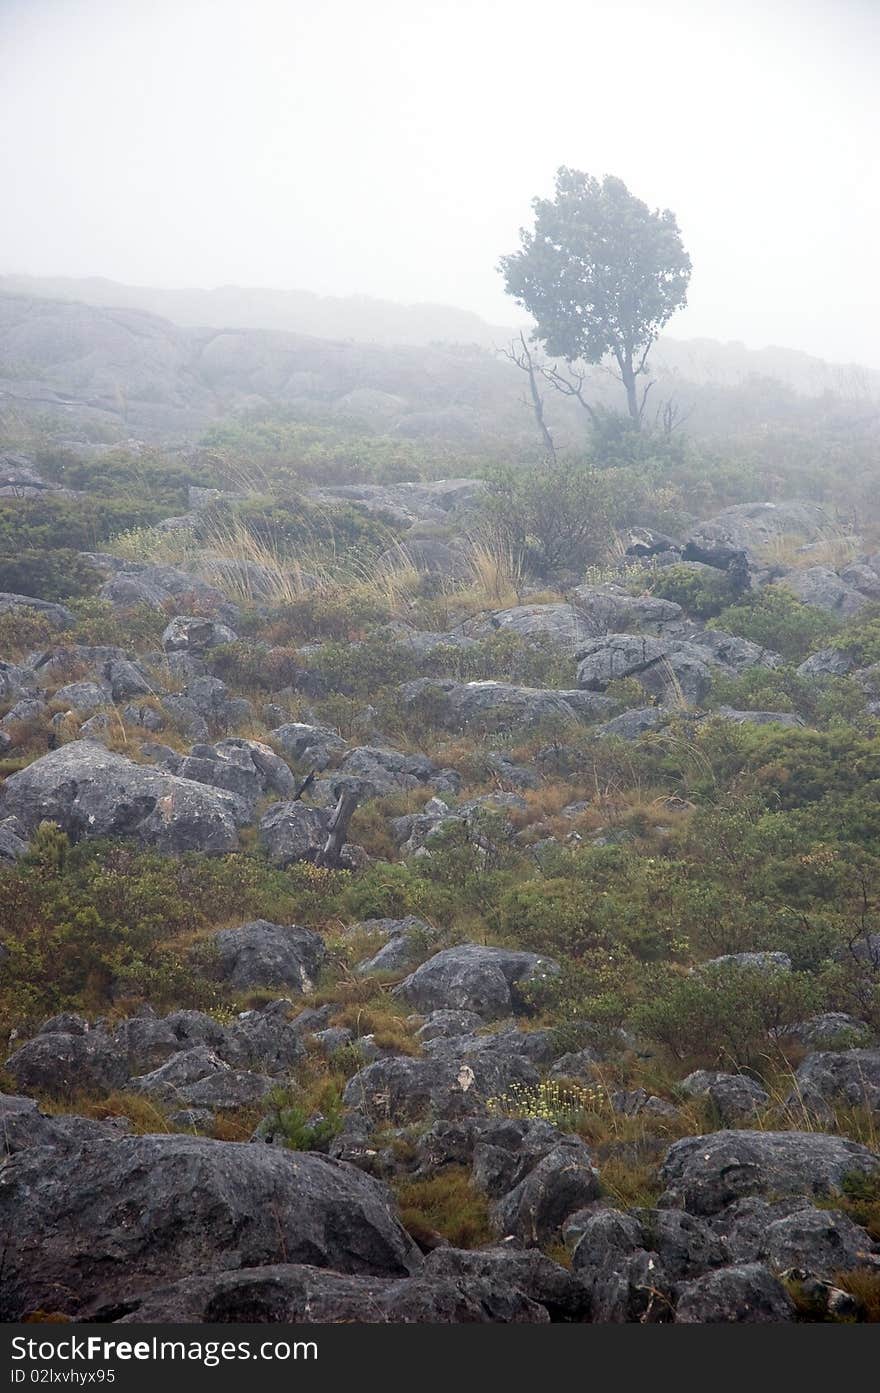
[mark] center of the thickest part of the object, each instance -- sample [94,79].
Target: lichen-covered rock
[850,1078]
[402,1089]
[58,1064]
[474,978]
[150,1210]
[734,1096]
[261,954]
[91,792]
[749,1294]
[297,1294]
[705,1174]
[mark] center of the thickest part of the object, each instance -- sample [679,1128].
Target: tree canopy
[601,274]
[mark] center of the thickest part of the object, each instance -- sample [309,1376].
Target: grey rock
[290,1293]
[23,1125]
[473,978]
[820,588]
[828,662]
[751,528]
[757,962]
[748,1294]
[194,634]
[58,1064]
[405,941]
[401,1089]
[705,1174]
[760,718]
[315,746]
[82,696]
[629,725]
[666,668]
[56,615]
[734,1096]
[821,1241]
[850,1078]
[160,1208]
[13,839]
[294,831]
[91,792]
[270,955]
[562,1181]
[577,1064]
[830,1029]
[492,706]
[526,1270]
[446,1024]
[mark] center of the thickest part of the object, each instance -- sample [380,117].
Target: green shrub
[775,619]
[701,593]
[725,1016]
[860,637]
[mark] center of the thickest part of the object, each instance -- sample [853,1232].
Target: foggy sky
[392,147]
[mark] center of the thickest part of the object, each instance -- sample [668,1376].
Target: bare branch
[570,386]
[521,357]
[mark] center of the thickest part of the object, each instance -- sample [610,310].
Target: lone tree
[601,274]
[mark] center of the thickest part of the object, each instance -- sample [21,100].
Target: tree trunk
[628,377]
[337,828]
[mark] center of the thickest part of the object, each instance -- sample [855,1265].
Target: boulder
[91,792]
[165,588]
[59,1064]
[427,555]
[493,705]
[734,1096]
[198,1078]
[670,669]
[828,662]
[563,1181]
[261,954]
[315,746]
[748,1294]
[244,767]
[57,615]
[294,831]
[848,1078]
[400,1089]
[626,1281]
[405,942]
[749,529]
[759,718]
[189,633]
[441,1025]
[527,1270]
[474,978]
[298,1294]
[822,588]
[13,838]
[630,725]
[22,1125]
[705,1174]
[751,962]
[82,696]
[822,1242]
[153,1209]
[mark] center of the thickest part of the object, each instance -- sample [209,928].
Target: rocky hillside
[110,373]
[430,899]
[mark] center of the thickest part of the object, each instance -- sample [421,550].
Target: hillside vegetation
[496,837]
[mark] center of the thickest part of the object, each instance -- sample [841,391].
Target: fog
[392,148]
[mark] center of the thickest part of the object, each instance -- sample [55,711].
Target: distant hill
[112,371]
[357,317]
[361,319]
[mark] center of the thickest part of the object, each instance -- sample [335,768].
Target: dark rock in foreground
[149,1210]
